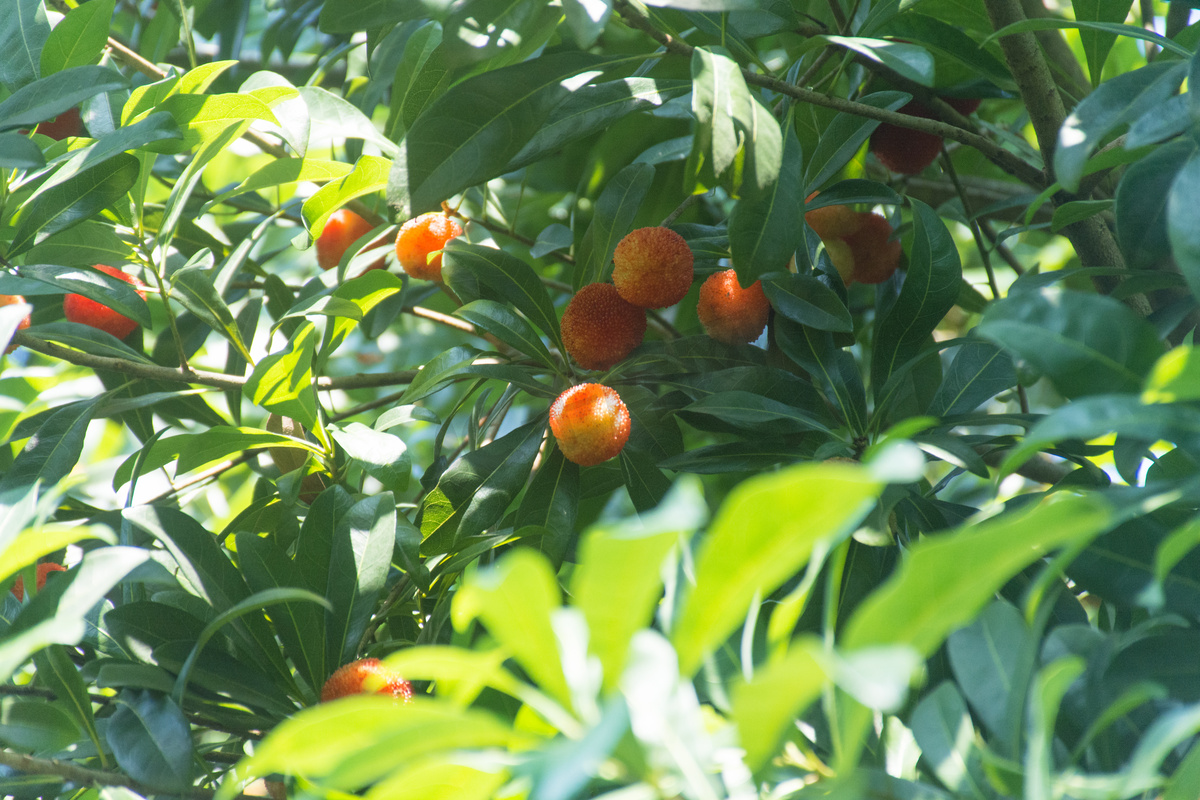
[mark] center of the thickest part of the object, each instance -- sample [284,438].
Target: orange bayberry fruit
[832,222]
[365,676]
[13,299]
[873,254]
[342,229]
[652,267]
[78,308]
[729,313]
[420,241]
[43,570]
[599,328]
[590,423]
[904,150]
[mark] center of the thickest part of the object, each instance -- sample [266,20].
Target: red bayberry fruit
[68,123]
[904,150]
[13,299]
[964,105]
[652,267]
[78,308]
[420,241]
[599,328]
[365,676]
[590,423]
[729,313]
[342,229]
[43,570]
[873,253]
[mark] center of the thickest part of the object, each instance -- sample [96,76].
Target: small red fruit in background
[78,308]
[590,423]
[342,229]
[599,328]
[904,150]
[964,105]
[729,313]
[652,267]
[420,241]
[365,676]
[9,300]
[68,123]
[873,254]
[43,570]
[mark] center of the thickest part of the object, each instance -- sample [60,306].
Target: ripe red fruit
[43,570]
[342,229]
[873,254]
[599,328]
[65,124]
[590,423]
[78,308]
[652,267]
[365,676]
[729,313]
[904,150]
[13,299]
[832,222]
[963,105]
[420,241]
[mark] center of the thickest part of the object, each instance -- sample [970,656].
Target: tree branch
[91,777]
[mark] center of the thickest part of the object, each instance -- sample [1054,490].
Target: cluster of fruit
[419,242]
[859,243]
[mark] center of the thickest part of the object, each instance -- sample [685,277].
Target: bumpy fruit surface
[590,423]
[68,123]
[342,229]
[43,570]
[599,328]
[652,267]
[13,299]
[365,676]
[420,241]
[78,308]
[729,313]
[904,150]
[832,222]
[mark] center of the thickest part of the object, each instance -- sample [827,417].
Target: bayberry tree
[662,399]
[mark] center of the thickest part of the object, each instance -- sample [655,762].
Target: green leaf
[90,242]
[204,117]
[515,599]
[1084,343]
[979,372]
[1185,239]
[929,291]
[988,657]
[35,726]
[50,96]
[470,133]
[1077,211]
[1175,377]
[947,579]
[74,201]
[1115,102]
[1131,31]
[551,503]
[763,234]
[287,170]
[79,37]
[508,278]
[615,210]
[833,369]
[383,455]
[644,481]
[23,32]
[907,60]
[358,567]
[766,706]
[221,442]
[1141,205]
[1045,697]
[1097,44]
[282,382]
[438,372]
[366,15]
[942,727]
[61,676]
[475,491]
[151,740]
[18,152]
[726,119]
[807,301]
[746,410]
[119,295]
[368,176]
[762,535]
[366,291]
[50,454]
[193,287]
[507,326]
[843,138]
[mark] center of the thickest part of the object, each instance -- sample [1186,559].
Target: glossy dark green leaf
[78,38]
[1141,205]
[1115,102]
[1077,211]
[423,75]
[844,136]
[552,503]
[755,412]
[220,442]
[476,490]
[52,452]
[616,208]
[18,152]
[471,132]
[978,372]
[943,728]
[834,370]
[50,96]
[907,60]
[358,566]
[35,726]
[75,200]
[382,455]
[1083,343]
[23,32]
[366,15]
[645,482]
[113,292]
[55,668]
[944,36]
[282,382]
[1181,226]
[756,455]
[503,277]
[929,291]
[807,301]
[193,287]
[151,740]
[89,242]
[987,657]
[438,372]
[507,326]
[718,89]
[763,227]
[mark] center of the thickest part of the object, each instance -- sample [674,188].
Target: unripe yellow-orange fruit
[590,422]
[652,267]
[729,313]
[599,328]
[366,676]
[420,241]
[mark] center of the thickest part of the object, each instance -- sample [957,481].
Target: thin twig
[92,777]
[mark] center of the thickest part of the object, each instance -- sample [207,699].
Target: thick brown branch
[89,777]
